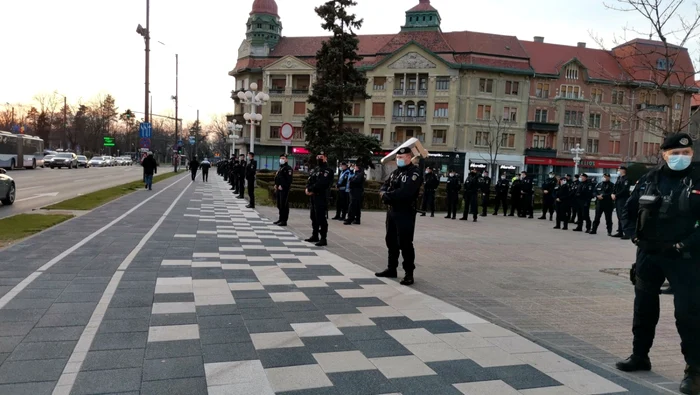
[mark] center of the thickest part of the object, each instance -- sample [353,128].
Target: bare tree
[492,136]
[217,132]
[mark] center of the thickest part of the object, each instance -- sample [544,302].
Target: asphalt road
[42,187]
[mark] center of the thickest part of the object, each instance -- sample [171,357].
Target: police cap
[584,175]
[568,175]
[678,140]
[606,174]
[343,163]
[576,175]
[404,150]
[622,168]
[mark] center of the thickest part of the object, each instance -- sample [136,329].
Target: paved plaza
[182,290]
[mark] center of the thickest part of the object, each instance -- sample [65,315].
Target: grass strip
[24,225]
[96,199]
[262,197]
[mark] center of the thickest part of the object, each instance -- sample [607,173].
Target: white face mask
[563,182]
[485,175]
[551,176]
[282,161]
[452,174]
[503,177]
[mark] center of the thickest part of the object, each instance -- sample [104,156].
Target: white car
[109,161]
[127,160]
[97,161]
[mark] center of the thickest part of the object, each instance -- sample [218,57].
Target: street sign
[191,140]
[108,141]
[145,142]
[179,143]
[286,142]
[145,130]
[286,131]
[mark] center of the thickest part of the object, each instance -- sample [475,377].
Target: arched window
[398,109]
[410,109]
[422,108]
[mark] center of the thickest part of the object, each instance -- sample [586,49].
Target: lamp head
[241,95]
[258,117]
[254,86]
[249,95]
[266,97]
[246,116]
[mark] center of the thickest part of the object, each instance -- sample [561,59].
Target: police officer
[233,175]
[527,193]
[341,210]
[241,176]
[548,199]
[357,192]
[604,204]
[317,188]
[471,191]
[431,184]
[584,194]
[485,188]
[250,170]
[619,197]
[574,204]
[400,192]
[516,188]
[563,196]
[283,183]
[661,217]
[502,187]
[454,184]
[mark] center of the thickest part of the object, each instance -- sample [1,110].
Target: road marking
[11,294]
[70,372]
[52,194]
[28,188]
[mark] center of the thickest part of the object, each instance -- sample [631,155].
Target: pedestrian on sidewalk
[150,167]
[194,166]
[250,172]
[357,192]
[454,185]
[283,183]
[341,209]
[317,188]
[205,166]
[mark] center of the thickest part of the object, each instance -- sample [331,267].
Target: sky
[82,48]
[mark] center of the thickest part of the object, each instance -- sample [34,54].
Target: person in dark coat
[584,194]
[357,192]
[516,191]
[205,166]
[502,187]
[471,192]
[250,171]
[317,189]
[283,183]
[432,182]
[485,190]
[622,193]
[240,188]
[150,167]
[194,166]
[548,199]
[454,184]
[526,195]
[563,196]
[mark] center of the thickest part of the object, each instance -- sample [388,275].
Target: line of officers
[569,197]
[237,171]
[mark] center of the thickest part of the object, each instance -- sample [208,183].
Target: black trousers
[355,209]
[205,175]
[452,204]
[684,277]
[573,211]
[400,227]
[251,192]
[515,205]
[607,209]
[501,200]
[548,206]
[283,205]
[471,205]
[619,207]
[583,214]
[241,185]
[526,203]
[341,209]
[428,201]
[563,210]
[485,197]
[319,222]
[193,173]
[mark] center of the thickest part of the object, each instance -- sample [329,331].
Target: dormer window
[661,64]
[572,72]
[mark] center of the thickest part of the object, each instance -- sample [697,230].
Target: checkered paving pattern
[264,313]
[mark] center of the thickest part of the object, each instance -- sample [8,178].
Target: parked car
[97,161]
[119,161]
[7,188]
[83,161]
[109,161]
[48,159]
[65,159]
[127,160]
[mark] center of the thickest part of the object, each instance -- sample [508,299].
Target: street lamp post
[254,99]
[577,152]
[146,34]
[234,129]
[65,114]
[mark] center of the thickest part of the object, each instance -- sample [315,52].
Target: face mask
[522,177]
[320,161]
[452,174]
[282,161]
[551,176]
[679,162]
[563,182]
[485,175]
[503,178]
[400,162]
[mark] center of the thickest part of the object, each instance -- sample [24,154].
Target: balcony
[542,127]
[300,91]
[277,91]
[541,152]
[651,107]
[353,118]
[400,119]
[441,120]
[411,93]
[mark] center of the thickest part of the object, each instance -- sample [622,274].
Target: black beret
[576,175]
[622,168]
[343,163]
[568,175]
[606,174]
[404,150]
[584,175]
[678,140]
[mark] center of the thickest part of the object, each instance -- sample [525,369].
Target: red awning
[594,164]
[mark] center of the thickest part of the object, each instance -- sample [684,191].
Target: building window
[677,102]
[298,133]
[378,134]
[276,108]
[539,141]
[378,109]
[572,72]
[483,112]
[615,124]
[540,115]
[650,149]
[379,83]
[618,97]
[398,109]
[512,87]
[571,142]
[440,137]
[299,108]
[592,146]
[412,83]
[573,118]
[410,109]
[661,64]
[654,125]
[542,90]
[423,83]
[597,95]
[356,107]
[510,114]
[356,130]
[442,84]
[570,91]
[508,140]
[441,110]
[614,147]
[594,121]
[482,139]
[486,85]
[274,132]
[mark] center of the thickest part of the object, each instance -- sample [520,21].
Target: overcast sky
[85,47]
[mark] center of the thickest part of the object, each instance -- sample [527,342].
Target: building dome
[264,7]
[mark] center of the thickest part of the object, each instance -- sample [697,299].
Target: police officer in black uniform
[604,204]
[250,170]
[317,187]
[233,175]
[620,196]
[471,192]
[454,184]
[526,195]
[400,192]
[485,188]
[357,194]
[584,194]
[573,210]
[241,176]
[283,183]
[661,217]
[431,185]
[502,187]
[563,196]
[516,191]
[548,199]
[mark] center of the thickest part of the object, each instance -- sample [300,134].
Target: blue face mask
[679,162]
[400,162]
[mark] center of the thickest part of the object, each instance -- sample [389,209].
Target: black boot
[422,214]
[617,235]
[312,239]
[322,243]
[592,232]
[691,382]
[634,363]
[542,217]
[557,227]
[408,279]
[388,273]
[578,230]
[276,222]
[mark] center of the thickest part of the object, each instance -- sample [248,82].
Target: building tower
[422,17]
[264,28]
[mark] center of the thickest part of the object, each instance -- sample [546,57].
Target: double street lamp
[254,99]
[577,152]
[234,129]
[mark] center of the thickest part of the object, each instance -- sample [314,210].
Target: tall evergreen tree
[338,83]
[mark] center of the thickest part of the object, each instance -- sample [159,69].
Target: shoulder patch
[290,172]
[415,177]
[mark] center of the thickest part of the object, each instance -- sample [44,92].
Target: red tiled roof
[695,100]
[423,5]
[432,40]
[494,62]
[485,43]
[639,59]
[308,46]
[264,7]
[549,58]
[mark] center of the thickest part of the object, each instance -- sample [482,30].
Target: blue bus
[20,150]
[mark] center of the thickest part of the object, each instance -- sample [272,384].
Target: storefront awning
[594,164]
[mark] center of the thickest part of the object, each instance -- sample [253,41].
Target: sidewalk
[196,294]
